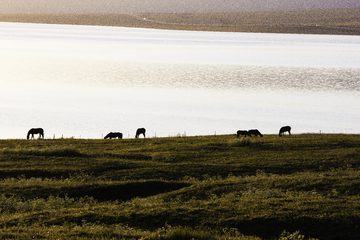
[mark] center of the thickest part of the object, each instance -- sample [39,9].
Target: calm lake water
[85,81]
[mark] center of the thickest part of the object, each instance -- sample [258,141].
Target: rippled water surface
[85,81]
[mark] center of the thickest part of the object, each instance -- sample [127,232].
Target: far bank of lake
[340,21]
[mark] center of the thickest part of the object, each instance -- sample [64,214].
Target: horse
[112,135]
[33,131]
[254,132]
[140,131]
[283,130]
[241,132]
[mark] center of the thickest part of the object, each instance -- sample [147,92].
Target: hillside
[206,187]
[319,21]
[164,6]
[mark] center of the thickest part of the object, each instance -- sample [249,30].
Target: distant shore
[319,21]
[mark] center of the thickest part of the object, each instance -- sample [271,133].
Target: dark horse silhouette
[254,132]
[140,131]
[283,130]
[112,135]
[241,132]
[33,131]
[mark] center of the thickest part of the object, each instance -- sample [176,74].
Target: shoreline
[319,21]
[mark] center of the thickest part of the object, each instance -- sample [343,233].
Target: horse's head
[28,134]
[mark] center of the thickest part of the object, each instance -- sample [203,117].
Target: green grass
[207,187]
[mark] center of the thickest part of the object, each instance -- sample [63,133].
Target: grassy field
[319,21]
[205,187]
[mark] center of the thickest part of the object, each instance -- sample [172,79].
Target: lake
[86,81]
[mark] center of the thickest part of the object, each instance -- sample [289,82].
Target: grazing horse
[241,132]
[33,131]
[254,132]
[112,135]
[283,130]
[140,131]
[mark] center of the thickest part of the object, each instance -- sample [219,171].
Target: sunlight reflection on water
[87,81]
